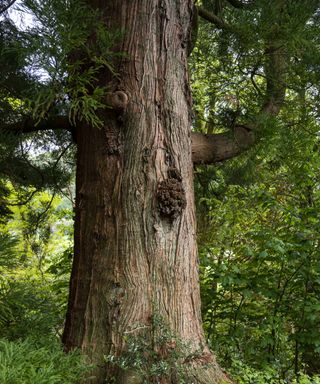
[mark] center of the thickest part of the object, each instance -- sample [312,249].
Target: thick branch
[208,149]
[28,125]
[212,18]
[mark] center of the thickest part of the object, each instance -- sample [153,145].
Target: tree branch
[6,7]
[29,125]
[212,18]
[240,4]
[208,149]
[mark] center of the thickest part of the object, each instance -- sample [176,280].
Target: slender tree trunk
[135,237]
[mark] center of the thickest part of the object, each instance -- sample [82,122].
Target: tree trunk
[135,238]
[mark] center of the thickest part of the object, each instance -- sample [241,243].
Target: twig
[240,4]
[6,7]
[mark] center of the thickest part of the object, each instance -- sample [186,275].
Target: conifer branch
[29,125]
[212,18]
[6,7]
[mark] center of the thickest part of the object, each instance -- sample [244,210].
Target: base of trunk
[204,374]
[210,374]
[170,362]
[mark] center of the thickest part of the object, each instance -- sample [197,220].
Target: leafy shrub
[244,374]
[30,309]
[28,362]
[155,354]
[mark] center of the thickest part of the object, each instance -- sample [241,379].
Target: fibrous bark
[211,148]
[135,237]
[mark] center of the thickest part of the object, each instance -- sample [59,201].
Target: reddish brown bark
[135,237]
[211,148]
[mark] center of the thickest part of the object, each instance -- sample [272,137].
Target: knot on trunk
[117,100]
[171,198]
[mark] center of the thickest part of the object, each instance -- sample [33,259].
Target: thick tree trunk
[135,238]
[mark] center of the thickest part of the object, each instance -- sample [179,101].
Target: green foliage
[260,267]
[72,48]
[258,215]
[35,265]
[19,161]
[244,374]
[50,68]
[9,257]
[34,273]
[30,362]
[153,354]
[30,308]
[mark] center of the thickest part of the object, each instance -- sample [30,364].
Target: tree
[135,255]
[135,243]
